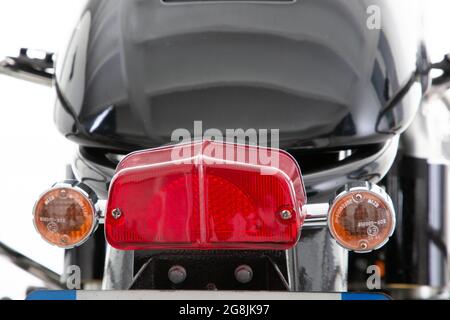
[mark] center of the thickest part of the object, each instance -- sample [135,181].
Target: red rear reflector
[205,195]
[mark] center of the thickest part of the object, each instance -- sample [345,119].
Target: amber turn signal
[362,218]
[65,215]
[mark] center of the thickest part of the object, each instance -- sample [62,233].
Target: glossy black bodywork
[136,70]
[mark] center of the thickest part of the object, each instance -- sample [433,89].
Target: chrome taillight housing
[206,195]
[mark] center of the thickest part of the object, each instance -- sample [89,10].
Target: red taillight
[205,195]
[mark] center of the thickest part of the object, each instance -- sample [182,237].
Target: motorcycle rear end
[243,146]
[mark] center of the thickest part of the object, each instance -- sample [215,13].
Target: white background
[33,154]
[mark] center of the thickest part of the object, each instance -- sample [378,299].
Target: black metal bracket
[444,66]
[26,67]
[50,278]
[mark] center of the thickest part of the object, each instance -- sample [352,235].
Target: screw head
[243,274]
[358,197]
[63,193]
[285,214]
[116,213]
[64,239]
[177,274]
[363,245]
[211,286]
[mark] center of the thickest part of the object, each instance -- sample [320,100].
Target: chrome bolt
[285,214]
[243,274]
[177,274]
[116,213]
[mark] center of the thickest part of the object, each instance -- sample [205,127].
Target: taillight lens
[205,195]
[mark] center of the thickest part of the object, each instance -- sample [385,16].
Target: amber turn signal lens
[362,220]
[64,216]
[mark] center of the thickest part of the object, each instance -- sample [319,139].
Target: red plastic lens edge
[197,196]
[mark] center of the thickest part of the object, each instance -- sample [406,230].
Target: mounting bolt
[116,213]
[285,214]
[211,286]
[243,274]
[177,274]
[363,245]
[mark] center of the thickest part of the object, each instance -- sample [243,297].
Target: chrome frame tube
[316,215]
[317,262]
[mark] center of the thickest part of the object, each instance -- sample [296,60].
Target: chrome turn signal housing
[66,215]
[361,217]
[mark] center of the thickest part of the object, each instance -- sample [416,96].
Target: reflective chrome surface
[118,274]
[318,263]
[321,185]
[316,215]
